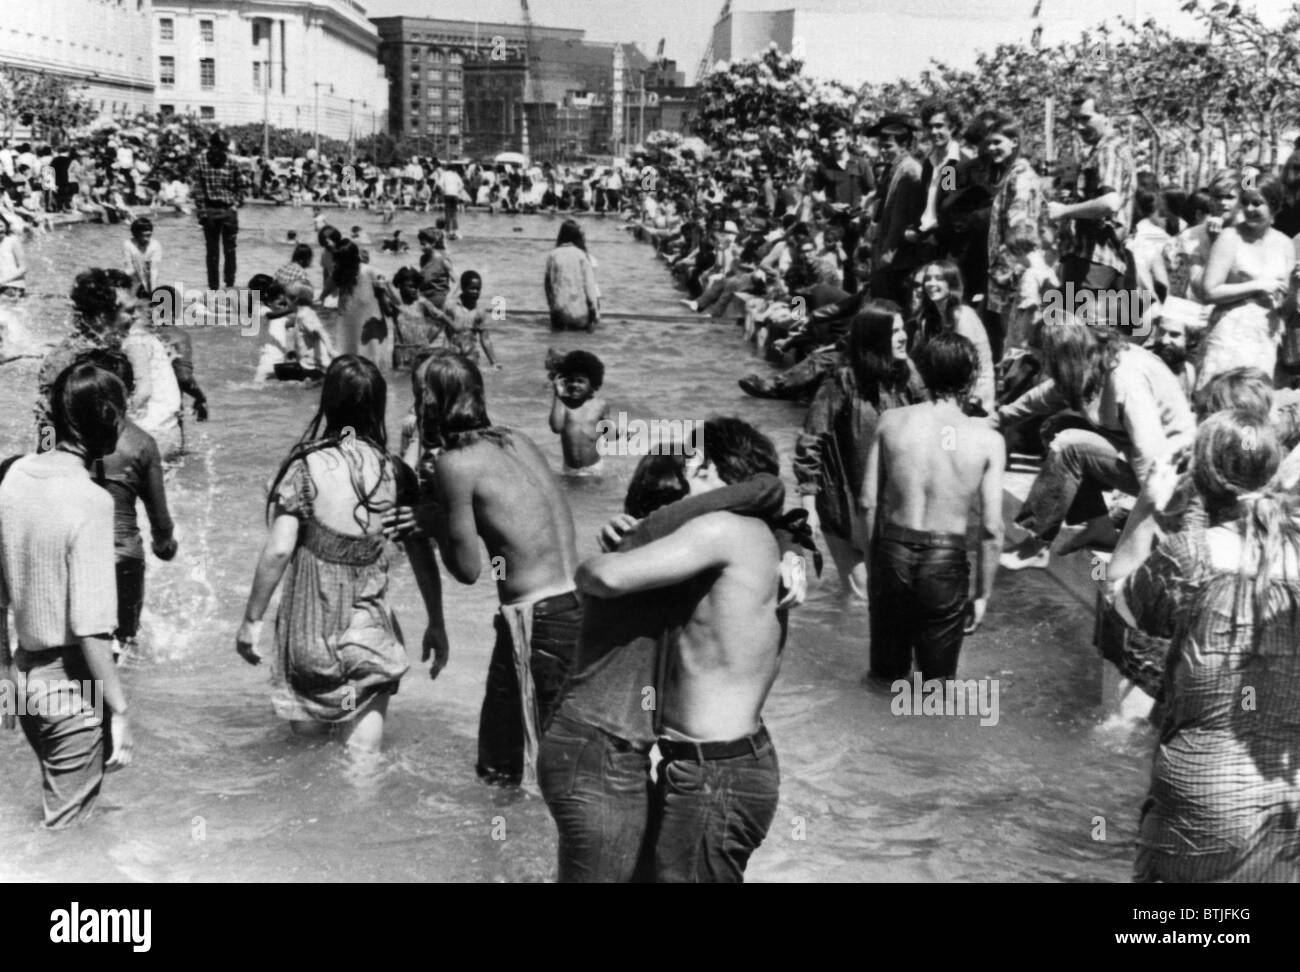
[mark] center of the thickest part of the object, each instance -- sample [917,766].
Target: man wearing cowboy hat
[901,206]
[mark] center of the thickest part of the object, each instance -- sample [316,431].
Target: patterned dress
[1018,216]
[1224,802]
[338,645]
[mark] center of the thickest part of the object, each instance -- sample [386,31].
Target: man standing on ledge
[218,190]
[927,465]
[842,180]
[1092,251]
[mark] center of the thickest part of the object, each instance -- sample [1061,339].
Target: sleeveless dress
[338,645]
[1243,334]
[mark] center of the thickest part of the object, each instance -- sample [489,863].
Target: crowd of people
[939,302]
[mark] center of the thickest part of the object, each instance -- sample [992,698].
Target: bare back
[517,509]
[933,461]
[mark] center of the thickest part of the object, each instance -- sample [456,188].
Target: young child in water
[467,322]
[419,322]
[576,412]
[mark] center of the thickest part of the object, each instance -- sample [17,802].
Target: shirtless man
[718,781]
[926,466]
[494,484]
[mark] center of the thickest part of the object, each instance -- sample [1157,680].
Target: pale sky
[950,30]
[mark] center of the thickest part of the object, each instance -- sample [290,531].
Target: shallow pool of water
[220,791]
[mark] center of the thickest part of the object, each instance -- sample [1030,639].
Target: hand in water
[436,646]
[612,534]
[123,742]
[794,580]
[246,641]
[976,614]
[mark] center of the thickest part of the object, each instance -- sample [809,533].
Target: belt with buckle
[699,752]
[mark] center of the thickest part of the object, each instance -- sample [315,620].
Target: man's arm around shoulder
[708,542]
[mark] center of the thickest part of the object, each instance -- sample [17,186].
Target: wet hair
[329,236]
[302,255]
[871,361]
[737,449]
[94,293]
[584,364]
[949,364]
[468,276]
[453,409]
[352,402]
[433,236]
[946,108]
[571,232]
[1237,389]
[87,406]
[658,481]
[140,225]
[114,362]
[347,265]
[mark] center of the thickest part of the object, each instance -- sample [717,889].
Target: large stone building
[311,65]
[424,60]
[101,44]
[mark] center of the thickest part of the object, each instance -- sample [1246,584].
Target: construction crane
[706,62]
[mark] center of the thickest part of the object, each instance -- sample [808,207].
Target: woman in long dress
[1224,801]
[571,288]
[339,653]
[362,328]
[1248,280]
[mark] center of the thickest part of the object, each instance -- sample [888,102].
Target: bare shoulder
[986,438]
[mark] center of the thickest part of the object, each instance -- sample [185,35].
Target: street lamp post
[318,85]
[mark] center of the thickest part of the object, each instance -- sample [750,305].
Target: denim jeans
[712,814]
[220,227]
[130,597]
[61,727]
[919,595]
[597,788]
[501,720]
[804,378]
[1080,464]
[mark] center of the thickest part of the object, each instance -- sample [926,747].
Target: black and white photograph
[690,442]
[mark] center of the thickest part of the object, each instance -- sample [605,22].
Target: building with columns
[310,65]
[101,44]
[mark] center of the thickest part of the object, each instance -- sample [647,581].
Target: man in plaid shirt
[1092,251]
[218,190]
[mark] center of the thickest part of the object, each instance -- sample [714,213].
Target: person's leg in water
[366,731]
[229,230]
[851,566]
[130,603]
[212,240]
[941,582]
[500,725]
[597,788]
[892,620]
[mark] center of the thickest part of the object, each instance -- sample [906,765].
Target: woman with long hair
[1224,801]
[942,311]
[1018,231]
[1185,256]
[1248,279]
[831,451]
[571,288]
[339,652]
[1130,411]
[363,328]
